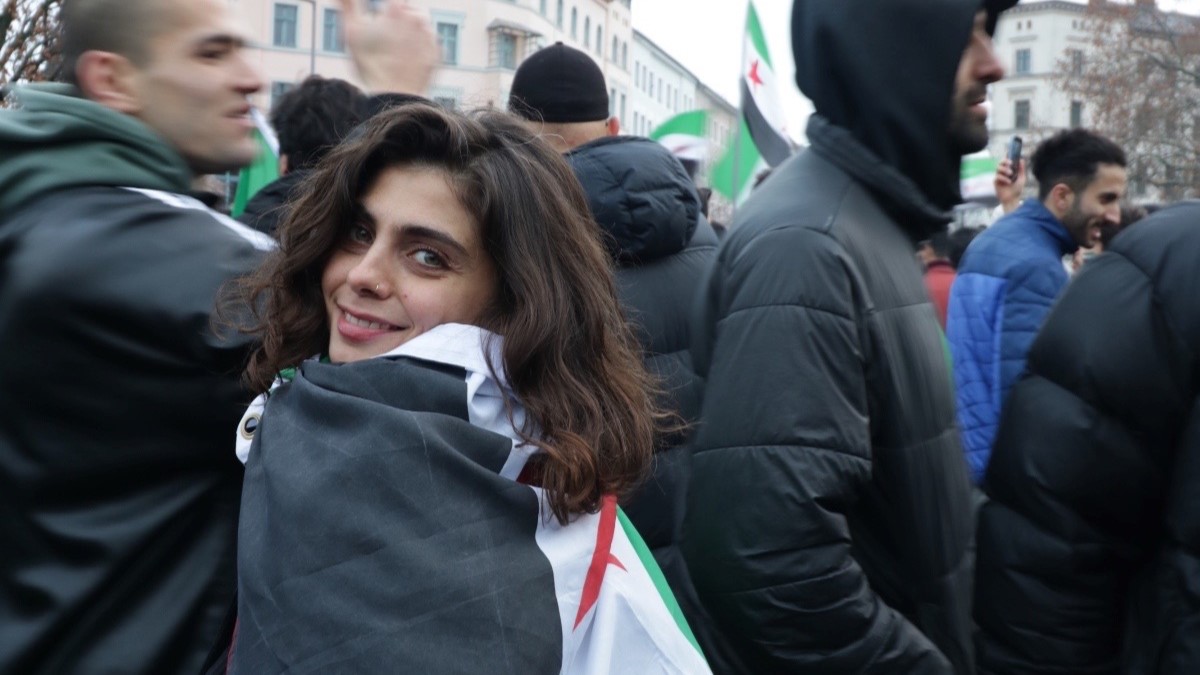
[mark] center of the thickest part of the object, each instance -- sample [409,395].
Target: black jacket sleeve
[782,452]
[1082,467]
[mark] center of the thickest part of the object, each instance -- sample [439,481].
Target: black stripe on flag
[771,144]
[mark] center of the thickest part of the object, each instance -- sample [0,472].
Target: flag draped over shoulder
[759,142]
[685,135]
[382,531]
[264,168]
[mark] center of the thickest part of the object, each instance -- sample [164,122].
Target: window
[615,50]
[612,102]
[279,89]
[448,39]
[649,84]
[574,23]
[637,74]
[622,116]
[625,56]
[558,15]
[542,7]
[1021,115]
[599,42]
[587,32]
[1076,61]
[1023,58]
[333,31]
[285,25]
[447,102]
[506,50]
[1076,113]
[660,90]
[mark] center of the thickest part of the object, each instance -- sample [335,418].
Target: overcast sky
[706,37]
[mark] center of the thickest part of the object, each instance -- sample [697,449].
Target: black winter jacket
[829,517]
[1089,550]
[265,210]
[119,489]
[647,206]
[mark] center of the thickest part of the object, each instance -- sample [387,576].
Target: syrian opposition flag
[685,135]
[978,174]
[384,530]
[264,168]
[760,142]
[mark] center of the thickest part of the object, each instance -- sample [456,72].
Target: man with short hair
[646,204]
[1011,275]
[310,120]
[119,488]
[829,517]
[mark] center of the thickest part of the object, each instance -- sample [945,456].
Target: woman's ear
[110,80]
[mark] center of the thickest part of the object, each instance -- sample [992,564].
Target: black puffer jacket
[1089,550]
[645,202]
[829,517]
[266,208]
[119,489]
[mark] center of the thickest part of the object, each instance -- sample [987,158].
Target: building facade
[482,42]
[1036,41]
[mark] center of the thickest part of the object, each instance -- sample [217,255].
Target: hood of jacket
[55,139]
[640,194]
[885,72]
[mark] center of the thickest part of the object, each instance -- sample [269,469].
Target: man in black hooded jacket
[829,516]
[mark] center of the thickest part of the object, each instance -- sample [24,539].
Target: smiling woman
[457,451]
[412,261]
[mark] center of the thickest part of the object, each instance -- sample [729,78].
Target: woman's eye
[360,235]
[428,258]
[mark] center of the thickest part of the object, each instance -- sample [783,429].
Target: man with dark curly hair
[310,120]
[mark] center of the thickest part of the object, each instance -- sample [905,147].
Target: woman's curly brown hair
[568,353]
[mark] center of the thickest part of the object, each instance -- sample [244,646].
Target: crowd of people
[486,392]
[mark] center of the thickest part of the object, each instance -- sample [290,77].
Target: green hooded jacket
[55,139]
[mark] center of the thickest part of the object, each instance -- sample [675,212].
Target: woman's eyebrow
[426,232]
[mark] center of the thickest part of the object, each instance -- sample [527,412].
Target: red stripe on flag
[601,558]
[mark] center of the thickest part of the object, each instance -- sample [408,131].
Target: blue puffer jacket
[1007,281]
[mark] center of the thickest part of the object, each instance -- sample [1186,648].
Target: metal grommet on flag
[249,426]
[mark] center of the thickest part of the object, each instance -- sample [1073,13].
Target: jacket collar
[898,194]
[1034,211]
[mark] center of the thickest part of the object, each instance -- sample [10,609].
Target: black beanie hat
[558,84]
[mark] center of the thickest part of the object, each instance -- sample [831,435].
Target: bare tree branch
[30,48]
[1140,83]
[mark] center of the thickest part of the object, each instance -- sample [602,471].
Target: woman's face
[415,261]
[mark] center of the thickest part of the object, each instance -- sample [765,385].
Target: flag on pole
[264,168]
[685,135]
[978,174]
[760,141]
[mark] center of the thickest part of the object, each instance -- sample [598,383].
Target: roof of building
[639,36]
